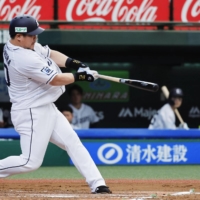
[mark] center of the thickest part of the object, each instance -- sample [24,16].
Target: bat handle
[109,78]
[179,116]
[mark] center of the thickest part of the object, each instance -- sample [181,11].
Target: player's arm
[62,79]
[58,58]
[68,78]
[64,61]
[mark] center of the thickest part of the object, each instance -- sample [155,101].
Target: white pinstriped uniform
[164,118]
[84,116]
[36,118]
[1,115]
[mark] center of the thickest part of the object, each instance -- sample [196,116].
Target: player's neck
[77,106]
[15,43]
[173,108]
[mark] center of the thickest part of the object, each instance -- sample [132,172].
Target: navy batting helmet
[175,92]
[24,24]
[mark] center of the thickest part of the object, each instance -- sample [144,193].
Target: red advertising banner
[112,10]
[40,9]
[187,10]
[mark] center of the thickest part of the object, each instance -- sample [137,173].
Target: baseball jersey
[83,117]
[163,119]
[28,74]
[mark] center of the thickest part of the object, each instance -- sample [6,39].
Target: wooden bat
[166,94]
[152,87]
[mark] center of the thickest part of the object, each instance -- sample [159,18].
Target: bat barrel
[152,87]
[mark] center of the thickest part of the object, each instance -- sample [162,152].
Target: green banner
[106,91]
[54,155]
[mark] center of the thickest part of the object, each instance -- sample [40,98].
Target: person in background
[1,119]
[7,118]
[84,116]
[165,117]
[68,113]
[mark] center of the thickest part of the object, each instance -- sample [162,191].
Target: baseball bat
[166,94]
[152,87]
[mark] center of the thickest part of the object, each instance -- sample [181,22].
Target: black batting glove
[83,76]
[75,64]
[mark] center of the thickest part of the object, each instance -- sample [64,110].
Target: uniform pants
[38,126]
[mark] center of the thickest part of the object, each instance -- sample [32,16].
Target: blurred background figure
[165,117]
[7,118]
[1,119]
[83,115]
[68,113]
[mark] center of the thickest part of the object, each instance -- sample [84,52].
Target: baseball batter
[34,82]
[165,117]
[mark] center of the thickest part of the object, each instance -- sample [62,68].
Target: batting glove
[94,74]
[86,69]
[184,126]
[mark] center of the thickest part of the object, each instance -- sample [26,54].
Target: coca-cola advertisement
[40,9]
[114,10]
[187,10]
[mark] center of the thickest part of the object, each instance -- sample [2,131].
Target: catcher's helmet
[24,24]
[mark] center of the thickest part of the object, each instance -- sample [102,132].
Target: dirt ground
[78,189]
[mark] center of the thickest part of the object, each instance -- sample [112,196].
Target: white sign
[21,29]
[110,153]
[164,153]
[137,112]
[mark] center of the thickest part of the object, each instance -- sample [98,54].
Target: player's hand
[75,64]
[94,74]
[184,126]
[80,69]
[88,75]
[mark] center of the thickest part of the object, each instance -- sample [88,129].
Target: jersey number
[7,75]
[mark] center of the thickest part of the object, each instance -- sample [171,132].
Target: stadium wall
[120,147]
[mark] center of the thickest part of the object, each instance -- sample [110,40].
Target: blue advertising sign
[144,153]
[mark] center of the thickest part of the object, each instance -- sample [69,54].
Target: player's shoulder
[85,106]
[17,50]
[44,50]
[166,109]
[39,47]
[71,105]
[26,56]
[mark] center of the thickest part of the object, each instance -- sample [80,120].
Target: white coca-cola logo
[8,11]
[111,10]
[191,10]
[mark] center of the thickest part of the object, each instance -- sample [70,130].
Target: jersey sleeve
[93,117]
[44,50]
[33,67]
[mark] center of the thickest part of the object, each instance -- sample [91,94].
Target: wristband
[74,64]
[83,76]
